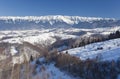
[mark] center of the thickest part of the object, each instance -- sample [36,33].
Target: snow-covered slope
[107,50]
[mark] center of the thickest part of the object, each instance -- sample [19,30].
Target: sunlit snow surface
[110,51]
[13,50]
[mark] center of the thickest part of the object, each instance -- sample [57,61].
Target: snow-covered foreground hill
[107,50]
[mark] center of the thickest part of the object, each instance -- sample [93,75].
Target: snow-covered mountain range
[56,21]
[52,19]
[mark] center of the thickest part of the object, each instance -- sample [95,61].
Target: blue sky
[96,8]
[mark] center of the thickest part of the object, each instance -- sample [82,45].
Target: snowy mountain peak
[52,19]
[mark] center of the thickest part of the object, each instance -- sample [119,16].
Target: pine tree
[31,58]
